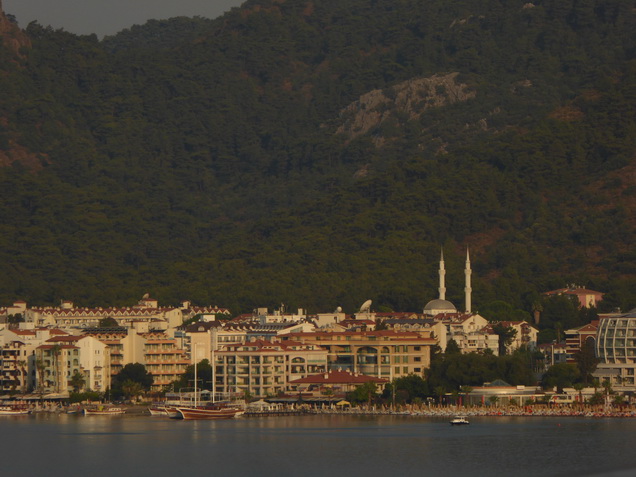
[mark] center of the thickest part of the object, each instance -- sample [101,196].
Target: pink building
[587,298]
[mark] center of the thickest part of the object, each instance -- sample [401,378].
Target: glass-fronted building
[616,350]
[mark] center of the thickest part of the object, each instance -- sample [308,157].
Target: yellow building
[163,359]
[56,365]
[159,353]
[264,368]
[385,354]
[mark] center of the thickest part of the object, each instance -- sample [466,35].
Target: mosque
[441,305]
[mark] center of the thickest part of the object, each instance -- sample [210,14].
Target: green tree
[132,389]
[452,348]
[597,398]
[440,392]
[411,387]
[363,393]
[24,373]
[108,322]
[77,381]
[40,368]
[506,336]
[133,372]
[579,387]
[465,390]
[586,361]
[204,376]
[561,375]
[15,319]
[56,351]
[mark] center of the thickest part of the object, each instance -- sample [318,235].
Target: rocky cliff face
[11,37]
[411,98]
[12,42]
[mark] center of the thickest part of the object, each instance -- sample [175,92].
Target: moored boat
[13,410]
[103,411]
[459,421]
[209,411]
[158,410]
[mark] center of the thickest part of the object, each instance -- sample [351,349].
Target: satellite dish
[365,306]
[338,309]
[146,296]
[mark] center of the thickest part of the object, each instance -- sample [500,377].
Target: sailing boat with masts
[211,410]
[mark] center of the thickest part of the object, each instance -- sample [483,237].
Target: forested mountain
[319,153]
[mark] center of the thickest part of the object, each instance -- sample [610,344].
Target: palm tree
[579,387]
[23,371]
[465,390]
[39,366]
[56,350]
[439,392]
[132,389]
[78,381]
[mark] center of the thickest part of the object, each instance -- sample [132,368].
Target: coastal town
[283,358]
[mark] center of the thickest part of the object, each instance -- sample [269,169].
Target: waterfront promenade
[407,410]
[525,411]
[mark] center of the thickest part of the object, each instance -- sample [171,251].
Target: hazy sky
[106,17]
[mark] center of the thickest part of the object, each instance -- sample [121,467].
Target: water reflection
[314,445]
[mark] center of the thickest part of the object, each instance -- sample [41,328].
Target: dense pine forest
[319,153]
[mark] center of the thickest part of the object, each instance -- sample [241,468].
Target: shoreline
[512,411]
[586,411]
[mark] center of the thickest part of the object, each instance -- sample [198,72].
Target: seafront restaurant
[500,393]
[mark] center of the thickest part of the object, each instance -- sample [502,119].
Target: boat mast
[195,375]
[213,365]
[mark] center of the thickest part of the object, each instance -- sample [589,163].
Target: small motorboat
[102,410]
[13,411]
[459,421]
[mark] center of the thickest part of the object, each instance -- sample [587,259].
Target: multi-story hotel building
[94,360]
[159,353]
[147,309]
[17,357]
[264,368]
[385,354]
[163,359]
[56,365]
[15,362]
[616,350]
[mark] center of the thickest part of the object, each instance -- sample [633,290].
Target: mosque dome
[435,307]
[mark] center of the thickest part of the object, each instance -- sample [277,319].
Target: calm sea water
[95,446]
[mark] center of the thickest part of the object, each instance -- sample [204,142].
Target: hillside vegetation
[319,153]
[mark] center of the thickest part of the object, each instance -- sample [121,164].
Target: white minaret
[442,277]
[468,290]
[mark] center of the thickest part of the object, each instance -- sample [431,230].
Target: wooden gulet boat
[211,410]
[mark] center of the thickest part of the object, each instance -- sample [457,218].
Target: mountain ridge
[211,161]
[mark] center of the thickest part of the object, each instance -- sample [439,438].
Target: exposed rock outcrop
[410,98]
[11,37]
